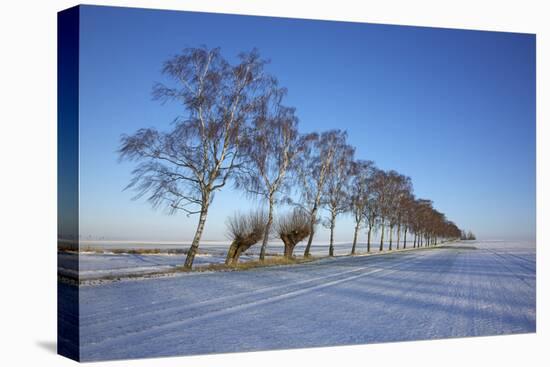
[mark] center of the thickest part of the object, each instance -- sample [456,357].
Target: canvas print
[233,183]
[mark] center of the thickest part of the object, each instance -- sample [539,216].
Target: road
[464,289]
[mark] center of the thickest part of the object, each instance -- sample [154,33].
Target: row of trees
[237,128]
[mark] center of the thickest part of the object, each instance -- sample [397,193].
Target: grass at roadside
[270,261]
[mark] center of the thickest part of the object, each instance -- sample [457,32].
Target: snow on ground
[465,289]
[94,265]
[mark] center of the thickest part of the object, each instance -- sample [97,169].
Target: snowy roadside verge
[160,269]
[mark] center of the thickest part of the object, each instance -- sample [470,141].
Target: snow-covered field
[466,289]
[95,265]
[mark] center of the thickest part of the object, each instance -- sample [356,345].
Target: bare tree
[272,143]
[336,191]
[183,168]
[422,213]
[407,210]
[467,236]
[312,167]
[414,220]
[293,228]
[436,222]
[402,190]
[244,231]
[372,212]
[361,177]
[382,194]
[391,188]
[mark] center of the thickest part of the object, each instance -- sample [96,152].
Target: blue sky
[452,109]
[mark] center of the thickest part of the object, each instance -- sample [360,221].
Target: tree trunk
[332,225]
[289,247]
[355,238]
[237,255]
[382,237]
[311,232]
[391,237]
[198,233]
[267,229]
[414,243]
[405,239]
[398,235]
[368,238]
[231,253]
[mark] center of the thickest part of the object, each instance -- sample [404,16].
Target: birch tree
[382,193]
[407,207]
[400,188]
[182,168]
[372,212]
[312,167]
[272,143]
[337,189]
[361,177]
[423,209]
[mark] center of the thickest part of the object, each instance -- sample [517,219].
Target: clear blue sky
[453,109]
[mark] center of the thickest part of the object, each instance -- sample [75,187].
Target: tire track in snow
[150,319]
[509,255]
[522,258]
[126,338]
[178,299]
[129,311]
[501,258]
[491,321]
[145,309]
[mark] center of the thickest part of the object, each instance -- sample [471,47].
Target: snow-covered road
[466,289]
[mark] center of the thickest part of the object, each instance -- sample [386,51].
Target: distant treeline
[467,236]
[237,129]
